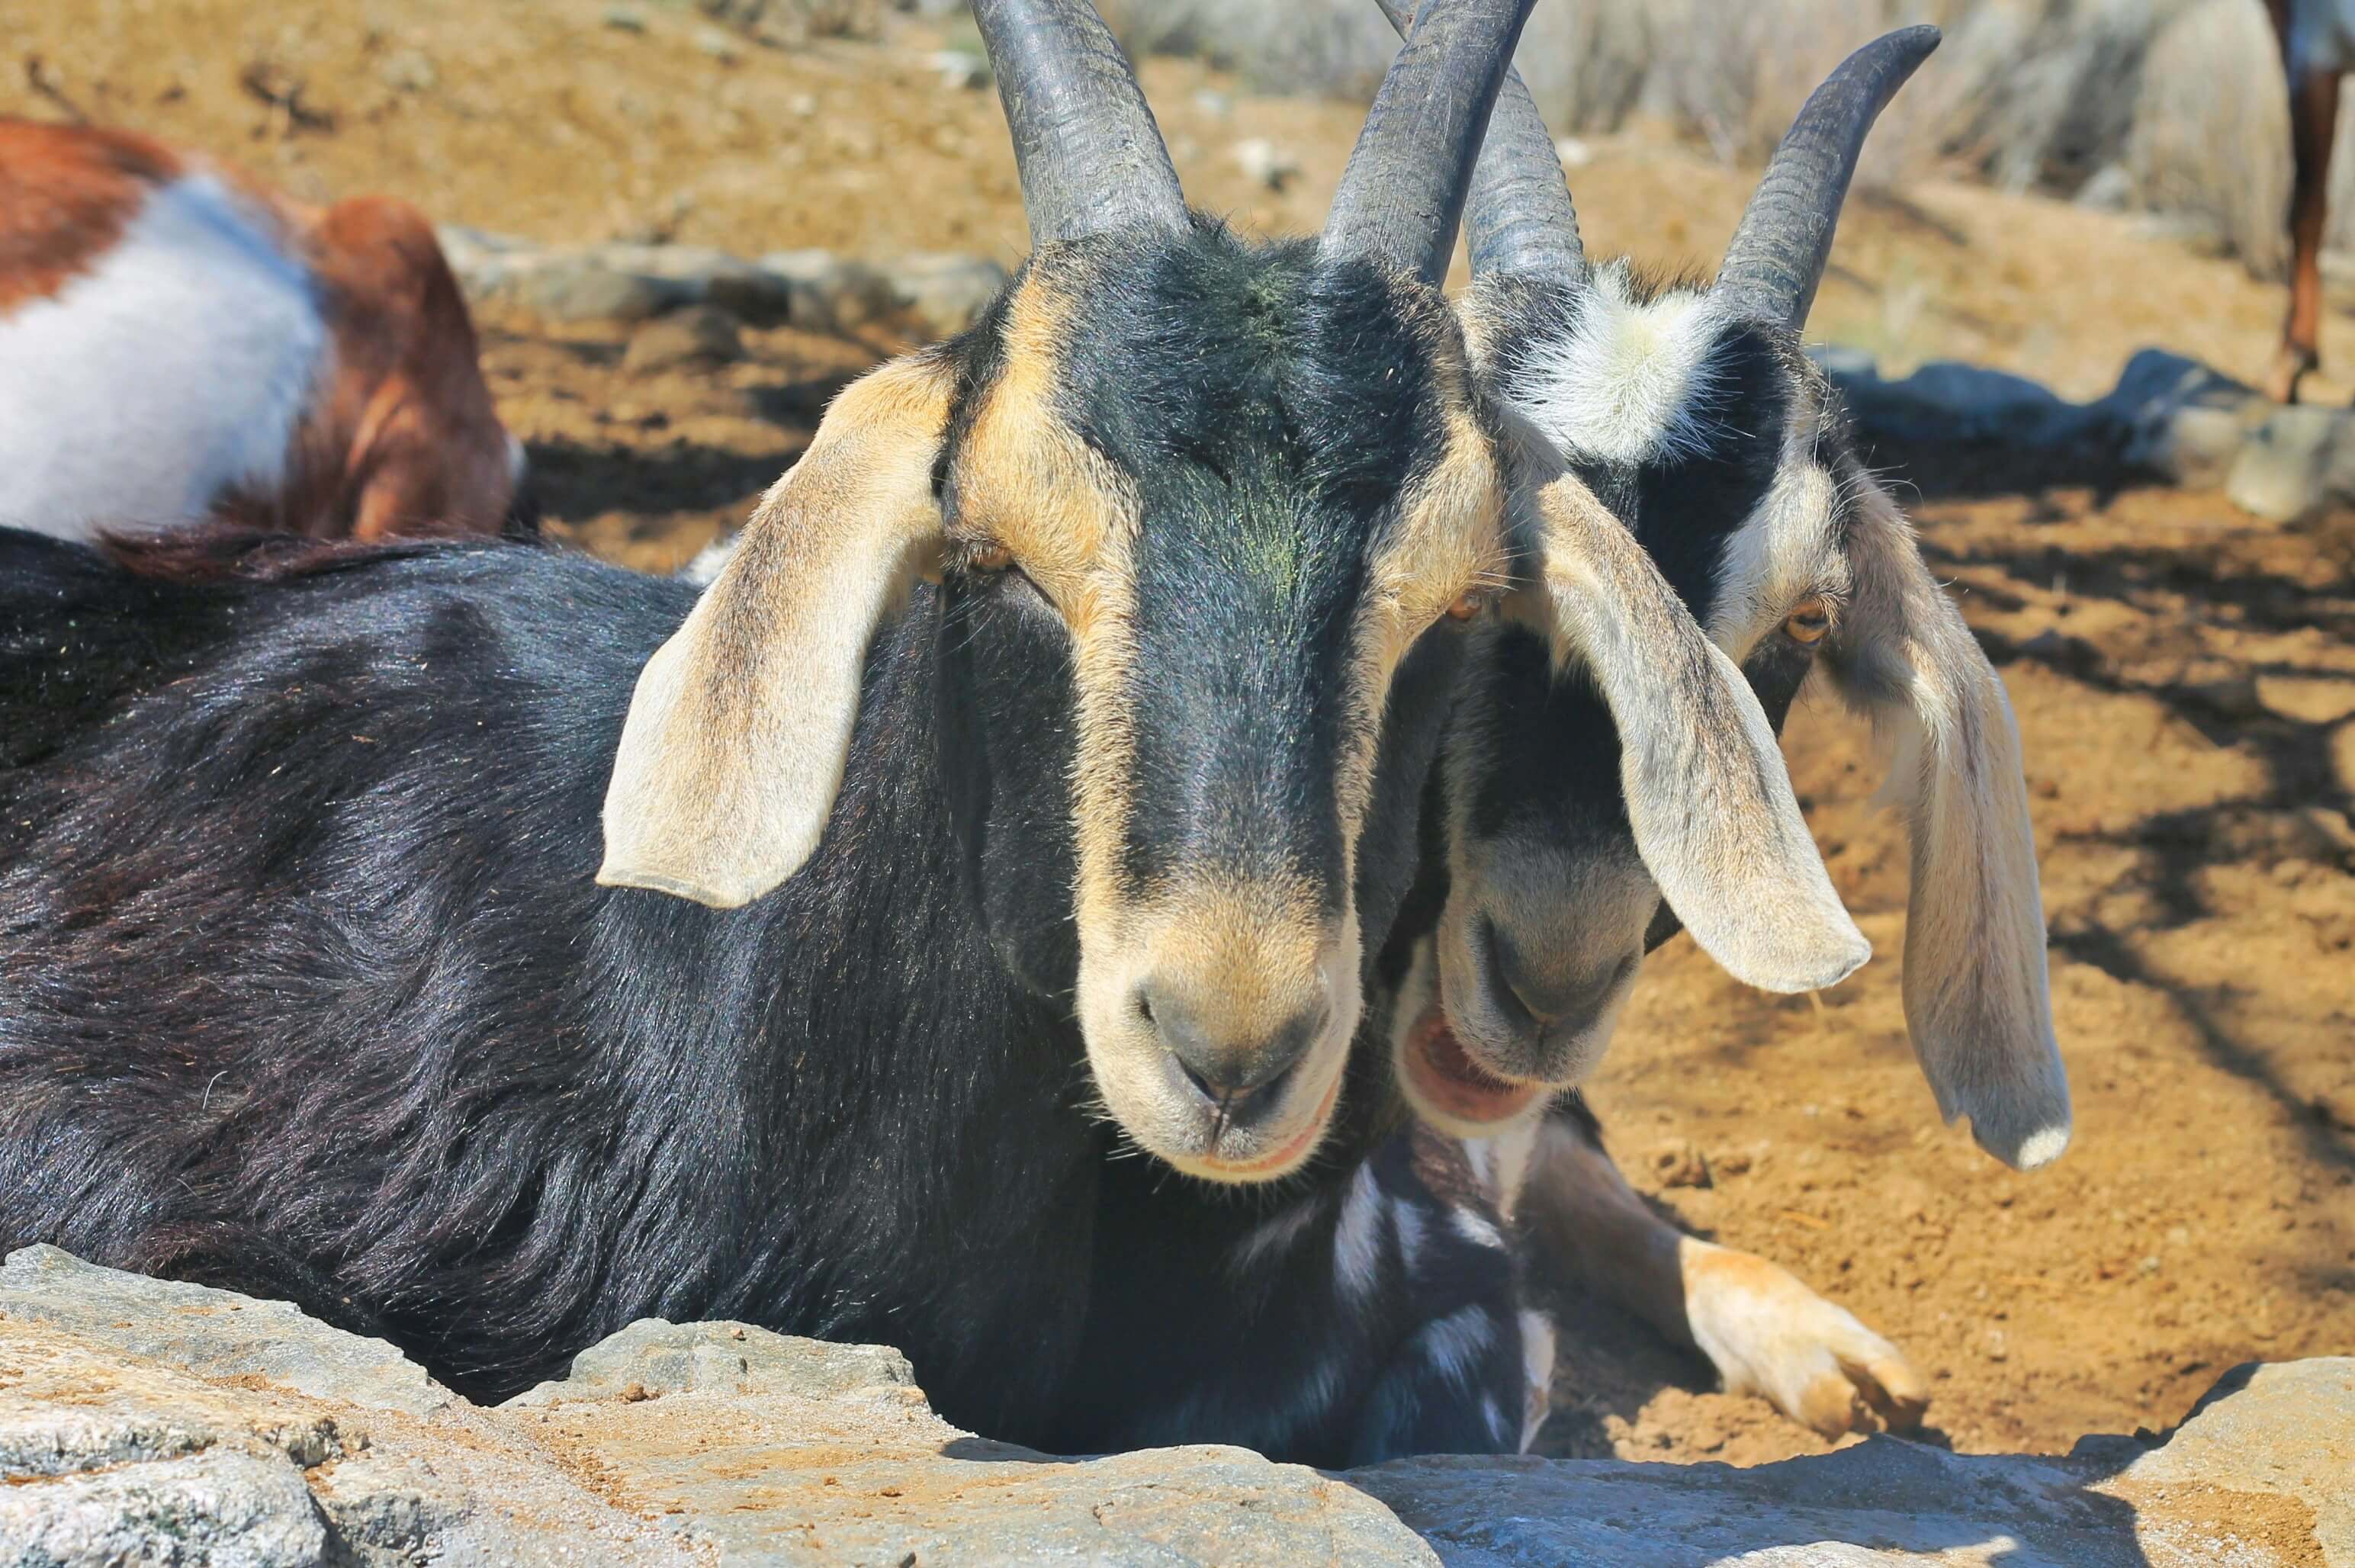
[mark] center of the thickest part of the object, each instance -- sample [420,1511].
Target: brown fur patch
[66,193]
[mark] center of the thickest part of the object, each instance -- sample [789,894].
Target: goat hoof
[1768,1334]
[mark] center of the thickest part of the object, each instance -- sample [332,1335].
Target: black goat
[309,987]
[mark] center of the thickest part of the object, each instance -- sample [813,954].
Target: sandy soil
[2185,677]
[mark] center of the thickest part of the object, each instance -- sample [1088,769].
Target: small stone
[830,293]
[1680,1164]
[2234,696]
[698,336]
[718,45]
[1997,1347]
[1210,101]
[2111,190]
[409,70]
[626,19]
[583,287]
[1573,152]
[2298,462]
[941,296]
[961,70]
[1265,164]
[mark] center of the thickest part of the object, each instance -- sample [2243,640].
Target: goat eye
[1808,622]
[986,558]
[1470,603]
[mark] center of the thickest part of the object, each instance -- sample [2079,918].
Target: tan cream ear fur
[1707,793]
[737,735]
[1978,998]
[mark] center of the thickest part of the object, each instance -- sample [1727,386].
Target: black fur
[310,990]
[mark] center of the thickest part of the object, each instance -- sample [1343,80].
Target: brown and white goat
[2317,48]
[178,341]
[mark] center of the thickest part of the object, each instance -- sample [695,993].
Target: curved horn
[1402,194]
[1518,219]
[1089,153]
[1778,253]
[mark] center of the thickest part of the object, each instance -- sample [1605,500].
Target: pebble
[1265,164]
[698,336]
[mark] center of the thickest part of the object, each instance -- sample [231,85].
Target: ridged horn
[1778,253]
[1518,219]
[1402,195]
[1086,145]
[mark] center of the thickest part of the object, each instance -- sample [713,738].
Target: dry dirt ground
[2185,676]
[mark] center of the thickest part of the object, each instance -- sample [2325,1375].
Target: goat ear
[1978,1002]
[736,734]
[1707,792]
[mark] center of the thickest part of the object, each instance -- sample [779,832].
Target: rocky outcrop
[150,1423]
[2171,418]
[918,295]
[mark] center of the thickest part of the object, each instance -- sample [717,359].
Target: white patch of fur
[1455,1344]
[1623,381]
[1408,1220]
[1476,1228]
[1537,1371]
[175,370]
[1516,1150]
[1272,1237]
[1357,1255]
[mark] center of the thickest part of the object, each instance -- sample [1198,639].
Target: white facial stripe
[1628,381]
[1783,551]
[1623,380]
[175,370]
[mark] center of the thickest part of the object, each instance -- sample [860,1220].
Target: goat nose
[1567,995]
[1242,1073]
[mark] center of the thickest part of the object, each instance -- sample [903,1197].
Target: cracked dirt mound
[2185,677]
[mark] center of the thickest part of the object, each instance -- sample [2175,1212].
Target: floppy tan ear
[1707,794]
[1978,1002]
[737,733]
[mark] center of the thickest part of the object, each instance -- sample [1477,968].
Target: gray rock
[651,1358]
[700,335]
[2284,1429]
[2261,1476]
[229,1510]
[2179,419]
[942,295]
[128,1433]
[830,293]
[212,1333]
[1946,400]
[706,276]
[2299,461]
[586,286]
[113,1392]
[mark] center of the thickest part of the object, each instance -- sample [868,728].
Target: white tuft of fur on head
[1624,379]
